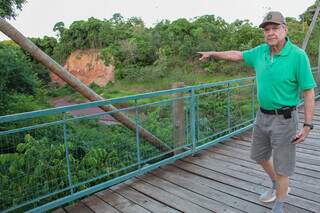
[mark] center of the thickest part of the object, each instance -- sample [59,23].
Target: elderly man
[282,72]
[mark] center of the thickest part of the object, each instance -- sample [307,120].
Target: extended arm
[231,55]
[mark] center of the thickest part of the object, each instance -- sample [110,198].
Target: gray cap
[274,17]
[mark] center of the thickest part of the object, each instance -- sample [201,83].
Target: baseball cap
[274,17]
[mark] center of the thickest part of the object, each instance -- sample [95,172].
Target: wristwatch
[308,125]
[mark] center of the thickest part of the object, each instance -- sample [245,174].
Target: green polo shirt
[280,79]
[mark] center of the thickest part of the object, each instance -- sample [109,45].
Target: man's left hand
[301,136]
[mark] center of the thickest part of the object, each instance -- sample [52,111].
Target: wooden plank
[98,205]
[142,199]
[300,169]
[240,174]
[298,202]
[309,147]
[314,142]
[300,174]
[307,187]
[194,196]
[247,192]
[167,198]
[311,159]
[59,210]
[78,208]
[258,172]
[212,189]
[240,155]
[243,145]
[119,202]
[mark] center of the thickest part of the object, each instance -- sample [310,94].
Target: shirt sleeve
[304,73]
[250,56]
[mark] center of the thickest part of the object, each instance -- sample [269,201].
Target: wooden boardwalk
[219,179]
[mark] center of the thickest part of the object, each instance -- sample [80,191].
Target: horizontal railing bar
[226,130]
[207,145]
[223,90]
[27,115]
[23,129]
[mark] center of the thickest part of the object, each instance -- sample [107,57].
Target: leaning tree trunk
[310,29]
[52,65]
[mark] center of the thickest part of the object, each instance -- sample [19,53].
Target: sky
[38,17]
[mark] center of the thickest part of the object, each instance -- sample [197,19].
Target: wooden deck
[219,179]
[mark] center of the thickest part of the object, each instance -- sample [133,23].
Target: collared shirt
[280,78]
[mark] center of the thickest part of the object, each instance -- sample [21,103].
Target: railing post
[319,58]
[137,121]
[187,121]
[178,118]
[193,121]
[67,151]
[197,118]
[318,73]
[228,108]
[253,98]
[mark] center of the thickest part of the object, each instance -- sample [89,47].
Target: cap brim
[262,25]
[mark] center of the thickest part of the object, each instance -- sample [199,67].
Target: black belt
[285,111]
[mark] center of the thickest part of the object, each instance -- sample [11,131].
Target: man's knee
[263,162]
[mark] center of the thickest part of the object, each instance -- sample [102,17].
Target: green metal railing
[53,156]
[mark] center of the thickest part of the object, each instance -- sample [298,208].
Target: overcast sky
[38,17]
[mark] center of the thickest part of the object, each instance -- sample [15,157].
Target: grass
[123,88]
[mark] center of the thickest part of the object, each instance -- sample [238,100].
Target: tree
[117,18]
[308,14]
[59,26]
[17,79]
[8,7]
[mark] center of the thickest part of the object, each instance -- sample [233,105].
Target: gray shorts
[274,133]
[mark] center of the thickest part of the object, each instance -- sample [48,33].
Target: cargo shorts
[272,136]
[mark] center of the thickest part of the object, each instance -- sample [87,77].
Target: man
[282,71]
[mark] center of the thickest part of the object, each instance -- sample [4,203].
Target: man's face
[275,33]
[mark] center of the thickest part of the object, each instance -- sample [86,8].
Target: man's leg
[282,187]
[269,195]
[261,152]
[284,156]
[281,193]
[268,168]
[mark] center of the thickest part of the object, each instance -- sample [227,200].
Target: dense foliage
[8,7]
[138,51]
[20,88]
[141,53]
[34,162]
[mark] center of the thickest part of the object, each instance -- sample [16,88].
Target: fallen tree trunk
[55,67]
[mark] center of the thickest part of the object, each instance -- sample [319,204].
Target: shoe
[277,207]
[270,195]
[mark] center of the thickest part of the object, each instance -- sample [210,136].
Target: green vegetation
[8,7]
[33,162]
[20,88]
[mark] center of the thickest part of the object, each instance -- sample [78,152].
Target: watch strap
[308,125]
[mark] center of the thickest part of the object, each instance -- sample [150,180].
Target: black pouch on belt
[286,111]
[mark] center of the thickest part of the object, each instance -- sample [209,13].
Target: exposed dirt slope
[87,67]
